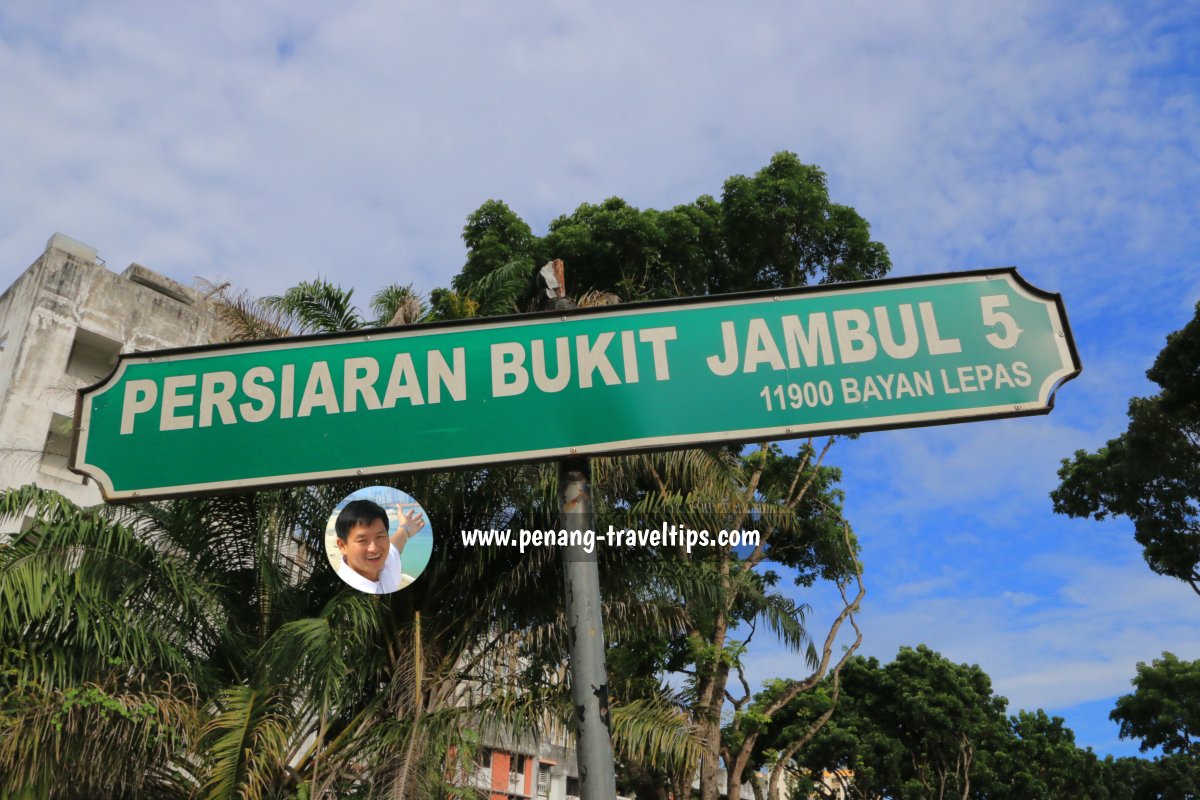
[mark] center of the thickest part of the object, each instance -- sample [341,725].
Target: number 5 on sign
[991,316]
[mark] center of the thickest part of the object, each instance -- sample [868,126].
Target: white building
[537,768]
[62,324]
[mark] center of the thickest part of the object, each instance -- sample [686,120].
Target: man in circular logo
[369,556]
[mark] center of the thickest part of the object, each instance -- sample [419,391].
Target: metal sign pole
[585,623]
[589,674]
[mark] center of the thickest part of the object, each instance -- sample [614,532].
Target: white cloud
[381,126]
[992,473]
[1079,643]
[269,142]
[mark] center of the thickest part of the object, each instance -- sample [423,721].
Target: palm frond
[77,735]
[656,732]
[247,743]
[502,289]
[317,306]
[396,305]
[785,618]
[80,592]
[326,657]
[246,317]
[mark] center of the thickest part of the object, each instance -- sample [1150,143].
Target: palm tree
[728,592]
[122,627]
[98,637]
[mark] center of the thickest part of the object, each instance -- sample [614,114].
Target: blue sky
[267,142]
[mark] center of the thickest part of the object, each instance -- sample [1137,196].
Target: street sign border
[1046,393]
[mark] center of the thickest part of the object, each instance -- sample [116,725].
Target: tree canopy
[773,229]
[1164,709]
[1151,472]
[923,727]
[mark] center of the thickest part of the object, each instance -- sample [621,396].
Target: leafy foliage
[1151,472]
[1164,709]
[919,727]
[923,727]
[774,229]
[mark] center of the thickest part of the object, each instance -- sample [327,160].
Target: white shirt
[391,577]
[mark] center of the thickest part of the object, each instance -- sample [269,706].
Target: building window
[543,782]
[92,356]
[516,773]
[56,452]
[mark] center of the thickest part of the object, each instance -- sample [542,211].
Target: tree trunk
[738,768]
[712,698]
[710,761]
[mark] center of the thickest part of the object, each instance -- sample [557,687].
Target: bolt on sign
[745,367]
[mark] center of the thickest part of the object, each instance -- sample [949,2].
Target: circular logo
[378,539]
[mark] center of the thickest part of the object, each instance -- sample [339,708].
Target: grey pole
[585,624]
[589,675]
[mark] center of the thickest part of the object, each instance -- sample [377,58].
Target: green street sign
[746,367]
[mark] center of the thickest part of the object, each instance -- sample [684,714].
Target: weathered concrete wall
[66,302]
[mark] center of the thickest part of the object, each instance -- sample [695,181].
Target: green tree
[781,229]
[782,721]
[923,727]
[728,594]
[1151,472]
[773,229]
[95,668]
[167,605]
[919,727]
[496,236]
[1165,778]
[1164,709]
[1041,759]
[946,716]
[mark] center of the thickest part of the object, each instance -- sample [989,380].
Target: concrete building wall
[62,323]
[527,767]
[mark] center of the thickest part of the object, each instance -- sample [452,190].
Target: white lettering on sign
[887,387]
[442,375]
[594,357]
[508,359]
[404,383]
[562,369]
[140,397]
[814,344]
[263,395]
[254,386]
[657,339]
[767,344]
[172,401]
[359,381]
[216,390]
[857,333]
[981,377]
